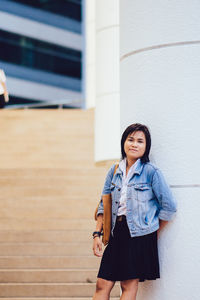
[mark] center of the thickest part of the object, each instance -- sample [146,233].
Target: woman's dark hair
[133,128]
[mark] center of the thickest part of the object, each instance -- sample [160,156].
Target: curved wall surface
[107,118]
[159,86]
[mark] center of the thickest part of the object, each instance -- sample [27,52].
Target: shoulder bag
[107,214]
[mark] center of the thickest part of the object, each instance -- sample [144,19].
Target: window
[68,8]
[36,54]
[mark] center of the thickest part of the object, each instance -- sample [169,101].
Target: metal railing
[60,104]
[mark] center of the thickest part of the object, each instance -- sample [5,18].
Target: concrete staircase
[49,188]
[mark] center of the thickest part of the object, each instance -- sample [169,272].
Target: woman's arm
[162,224]
[167,203]
[97,242]
[6,97]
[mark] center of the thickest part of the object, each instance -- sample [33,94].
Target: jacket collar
[138,167]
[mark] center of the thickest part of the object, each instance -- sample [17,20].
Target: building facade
[41,51]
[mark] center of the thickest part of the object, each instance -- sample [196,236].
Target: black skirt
[127,257]
[2,101]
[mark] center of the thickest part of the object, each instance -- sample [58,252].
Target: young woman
[3,90]
[142,204]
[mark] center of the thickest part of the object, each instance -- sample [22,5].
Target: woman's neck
[130,162]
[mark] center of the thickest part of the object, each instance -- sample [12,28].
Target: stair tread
[50,298]
[51,283]
[45,270]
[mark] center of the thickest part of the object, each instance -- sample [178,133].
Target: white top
[125,181]
[2,79]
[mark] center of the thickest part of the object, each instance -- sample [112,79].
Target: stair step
[45,212]
[49,262]
[48,276]
[55,205]
[51,290]
[52,249]
[44,177]
[46,224]
[50,298]
[46,236]
[39,201]
[50,191]
[44,201]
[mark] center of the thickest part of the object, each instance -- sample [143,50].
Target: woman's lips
[133,150]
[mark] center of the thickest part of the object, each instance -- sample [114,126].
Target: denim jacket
[149,198]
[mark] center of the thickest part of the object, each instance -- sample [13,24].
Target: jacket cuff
[99,211]
[166,215]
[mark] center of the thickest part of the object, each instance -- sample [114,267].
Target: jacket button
[119,189]
[116,202]
[114,214]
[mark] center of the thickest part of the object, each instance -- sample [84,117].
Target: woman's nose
[134,143]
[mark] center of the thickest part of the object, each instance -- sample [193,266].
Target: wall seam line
[134,52]
[107,94]
[107,27]
[185,186]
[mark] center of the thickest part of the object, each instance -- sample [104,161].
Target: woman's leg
[129,289]
[103,289]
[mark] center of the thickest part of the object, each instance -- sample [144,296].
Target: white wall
[159,86]
[107,114]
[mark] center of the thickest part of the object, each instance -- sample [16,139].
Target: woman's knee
[128,285]
[103,285]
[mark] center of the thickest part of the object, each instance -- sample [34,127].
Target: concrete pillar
[159,86]
[107,121]
[90,51]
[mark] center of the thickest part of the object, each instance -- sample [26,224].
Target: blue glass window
[68,8]
[36,54]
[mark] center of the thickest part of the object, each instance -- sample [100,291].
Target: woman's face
[135,145]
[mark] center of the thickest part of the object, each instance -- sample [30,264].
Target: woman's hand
[6,97]
[97,246]
[162,224]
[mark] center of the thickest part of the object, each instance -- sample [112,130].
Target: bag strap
[116,166]
[95,214]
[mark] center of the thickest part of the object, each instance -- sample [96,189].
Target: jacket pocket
[143,191]
[114,186]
